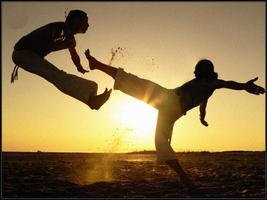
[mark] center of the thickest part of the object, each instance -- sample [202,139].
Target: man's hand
[76,59]
[80,69]
[253,88]
[204,122]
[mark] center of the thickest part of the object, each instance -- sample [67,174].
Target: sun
[138,117]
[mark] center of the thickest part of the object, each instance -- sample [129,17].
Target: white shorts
[74,86]
[163,99]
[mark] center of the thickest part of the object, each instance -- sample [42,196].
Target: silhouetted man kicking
[30,50]
[173,103]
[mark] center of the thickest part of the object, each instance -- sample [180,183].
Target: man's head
[77,20]
[205,70]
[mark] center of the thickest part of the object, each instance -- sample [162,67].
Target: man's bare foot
[95,102]
[93,63]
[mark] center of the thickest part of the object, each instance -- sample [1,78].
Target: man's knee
[161,141]
[161,146]
[94,87]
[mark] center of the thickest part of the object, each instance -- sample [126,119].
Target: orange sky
[162,41]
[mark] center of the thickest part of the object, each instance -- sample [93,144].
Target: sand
[82,175]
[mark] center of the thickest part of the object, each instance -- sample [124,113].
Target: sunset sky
[161,41]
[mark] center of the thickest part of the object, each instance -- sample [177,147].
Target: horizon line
[144,151]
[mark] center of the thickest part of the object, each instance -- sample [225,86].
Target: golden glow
[37,116]
[138,117]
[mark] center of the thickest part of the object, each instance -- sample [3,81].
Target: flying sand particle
[115,52]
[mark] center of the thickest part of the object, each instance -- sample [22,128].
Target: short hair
[74,15]
[205,69]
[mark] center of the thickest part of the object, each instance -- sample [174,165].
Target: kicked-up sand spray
[103,168]
[101,171]
[116,52]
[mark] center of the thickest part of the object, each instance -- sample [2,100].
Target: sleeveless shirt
[51,37]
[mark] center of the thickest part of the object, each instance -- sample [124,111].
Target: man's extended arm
[249,86]
[76,60]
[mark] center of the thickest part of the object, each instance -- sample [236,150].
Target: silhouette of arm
[76,59]
[202,110]
[249,86]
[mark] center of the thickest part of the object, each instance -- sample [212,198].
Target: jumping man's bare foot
[95,102]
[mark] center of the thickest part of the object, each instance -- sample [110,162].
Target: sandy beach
[133,175]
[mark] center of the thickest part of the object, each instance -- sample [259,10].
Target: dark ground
[217,175]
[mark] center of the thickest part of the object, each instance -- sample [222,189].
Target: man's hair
[205,69]
[74,15]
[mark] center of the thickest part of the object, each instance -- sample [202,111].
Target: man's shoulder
[190,82]
[56,24]
[218,83]
[49,26]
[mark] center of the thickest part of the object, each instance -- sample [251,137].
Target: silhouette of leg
[95,64]
[174,164]
[74,86]
[95,102]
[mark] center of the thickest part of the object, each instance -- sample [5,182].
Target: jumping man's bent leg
[74,86]
[95,102]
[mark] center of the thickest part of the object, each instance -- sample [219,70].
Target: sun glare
[138,117]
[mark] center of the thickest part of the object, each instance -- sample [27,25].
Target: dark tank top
[193,93]
[51,37]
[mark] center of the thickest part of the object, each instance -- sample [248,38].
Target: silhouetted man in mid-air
[30,51]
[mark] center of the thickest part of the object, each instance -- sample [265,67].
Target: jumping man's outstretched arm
[249,86]
[202,110]
[76,59]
